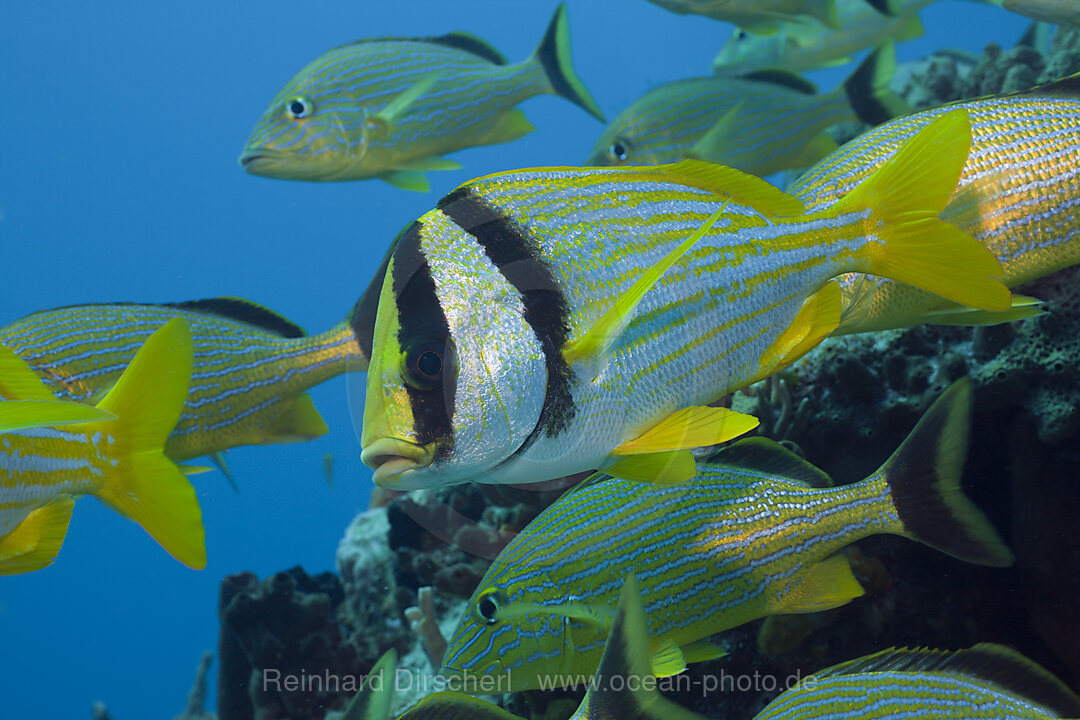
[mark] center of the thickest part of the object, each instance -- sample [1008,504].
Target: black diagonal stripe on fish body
[508,245]
[362,318]
[422,321]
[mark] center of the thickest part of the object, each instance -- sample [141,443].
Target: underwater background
[119,181]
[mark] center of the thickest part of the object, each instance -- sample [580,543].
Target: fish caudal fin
[914,246]
[923,477]
[627,654]
[146,486]
[553,54]
[868,90]
[35,543]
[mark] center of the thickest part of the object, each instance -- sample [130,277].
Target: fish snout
[392,459]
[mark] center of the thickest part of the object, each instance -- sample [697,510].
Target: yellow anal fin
[692,427]
[1023,307]
[300,422]
[599,337]
[386,118]
[37,540]
[407,180]
[743,188]
[819,316]
[905,196]
[434,162]
[23,414]
[662,468]
[823,586]
[667,659]
[18,381]
[194,469]
[510,126]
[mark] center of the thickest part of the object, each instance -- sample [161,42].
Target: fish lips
[255,160]
[394,460]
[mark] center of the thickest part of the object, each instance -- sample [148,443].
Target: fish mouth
[255,160]
[391,459]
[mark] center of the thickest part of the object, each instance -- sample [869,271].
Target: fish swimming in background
[252,366]
[759,16]
[761,124]
[1059,12]
[119,461]
[758,532]
[1018,195]
[804,46]
[985,681]
[390,108]
[544,322]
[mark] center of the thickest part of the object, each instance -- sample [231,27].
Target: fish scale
[1017,195]
[248,383]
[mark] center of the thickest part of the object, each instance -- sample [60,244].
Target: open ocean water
[121,128]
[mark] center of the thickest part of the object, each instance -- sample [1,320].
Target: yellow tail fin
[148,487]
[905,195]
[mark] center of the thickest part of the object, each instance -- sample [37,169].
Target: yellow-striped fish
[1060,12]
[121,461]
[985,681]
[544,322]
[390,108]
[800,47]
[757,532]
[1018,195]
[761,123]
[252,367]
[759,16]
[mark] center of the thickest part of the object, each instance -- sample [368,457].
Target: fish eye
[487,606]
[742,35]
[620,149]
[424,365]
[298,107]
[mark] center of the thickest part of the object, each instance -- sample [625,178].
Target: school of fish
[536,323]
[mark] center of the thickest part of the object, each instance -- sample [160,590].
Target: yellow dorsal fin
[386,118]
[662,468]
[905,196]
[18,381]
[598,338]
[23,414]
[823,586]
[37,540]
[692,427]
[743,188]
[667,659]
[818,316]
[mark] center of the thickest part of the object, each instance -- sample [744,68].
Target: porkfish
[119,460]
[987,681]
[800,47]
[762,123]
[543,322]
[757,532]
[390,108]
[1018,195]
[252,366]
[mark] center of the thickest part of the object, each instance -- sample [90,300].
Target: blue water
[120,129]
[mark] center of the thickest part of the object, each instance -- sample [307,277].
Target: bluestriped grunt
[390,108]
[549,321]
[1017,195]
[761,123]
[800,47]
[120,461]
[985,681]
[757,532]
[252,366]
[759,16]
[1059,12]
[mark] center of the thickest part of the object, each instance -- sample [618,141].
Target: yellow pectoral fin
[692,427]
[663,468]
[819,316]
[23,414]
[37,540]
[392,112]
[826,585]
[702,650]
[595,342]
[18,381]
[713,145]
[667,659]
